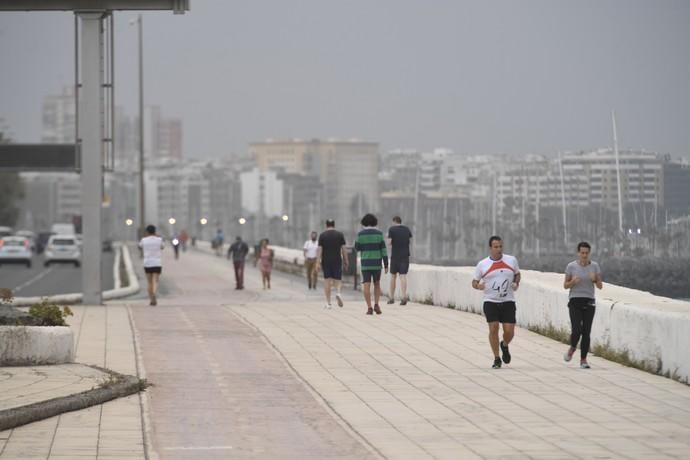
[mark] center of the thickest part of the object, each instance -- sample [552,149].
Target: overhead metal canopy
[177,6]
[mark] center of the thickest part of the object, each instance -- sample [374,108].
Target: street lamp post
[172,221]
[285,218]
[129,223]
[142,202]
[203,221]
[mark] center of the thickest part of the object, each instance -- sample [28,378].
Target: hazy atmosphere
[361,229]
[477,77]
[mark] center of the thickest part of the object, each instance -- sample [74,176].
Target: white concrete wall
[651,329]
[29,345]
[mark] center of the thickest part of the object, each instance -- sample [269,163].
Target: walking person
[332,255]
[581,276]
[372,247]
[218,241]
[238,252]
[499,277]
[265,260]
[151,246]
[311,251]
[176,246]
[399,237]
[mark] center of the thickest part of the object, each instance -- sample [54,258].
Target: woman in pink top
[265,260]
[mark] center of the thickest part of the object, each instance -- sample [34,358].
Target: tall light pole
[142,201]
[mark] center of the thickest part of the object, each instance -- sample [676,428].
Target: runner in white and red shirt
[498,276]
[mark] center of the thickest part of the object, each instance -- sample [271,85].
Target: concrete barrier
[116,293]
[29,345]
[652,331]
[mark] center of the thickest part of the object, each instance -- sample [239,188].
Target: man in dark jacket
[238,251]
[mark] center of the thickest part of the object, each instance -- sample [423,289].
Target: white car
[15,249]
[29,235]
[62,248]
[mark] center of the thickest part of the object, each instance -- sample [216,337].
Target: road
[56,279]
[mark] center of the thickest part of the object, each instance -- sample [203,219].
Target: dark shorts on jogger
[502,312]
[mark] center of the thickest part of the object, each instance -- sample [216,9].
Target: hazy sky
[475,76]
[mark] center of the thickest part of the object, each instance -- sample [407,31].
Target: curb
[111,294]
[125,385]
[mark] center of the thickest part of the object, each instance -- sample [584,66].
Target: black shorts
[503,312]
[333,272]
[582,303]
[153,270]
[400,266]
[368,275]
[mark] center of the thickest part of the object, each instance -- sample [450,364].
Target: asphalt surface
[56,279]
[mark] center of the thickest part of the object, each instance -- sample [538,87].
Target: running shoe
[403,302]
[568,355]
[584,365]
[339,299]
[370,311]
[154,301]
[377,309]
[327,306]
[506,353]
[497,363]
[390,301]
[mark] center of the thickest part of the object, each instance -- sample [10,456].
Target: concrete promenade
[271,374]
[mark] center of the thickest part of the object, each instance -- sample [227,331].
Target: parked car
[29,235]
[62,248]
[15,249]
[42,240]
[5,231]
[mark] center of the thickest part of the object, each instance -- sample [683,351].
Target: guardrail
[122,253]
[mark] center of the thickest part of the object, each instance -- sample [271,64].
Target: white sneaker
[339,299]
[327,306]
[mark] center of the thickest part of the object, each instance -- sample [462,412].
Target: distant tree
[11,190]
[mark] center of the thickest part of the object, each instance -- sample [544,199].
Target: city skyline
[484,79]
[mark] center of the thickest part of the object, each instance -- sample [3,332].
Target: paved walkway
[110,431]
[23,385]
[219,390]
[271,374]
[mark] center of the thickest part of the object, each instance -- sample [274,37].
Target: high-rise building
[162,136]
[59,118]
[677,189]
[347,169]
[593,177]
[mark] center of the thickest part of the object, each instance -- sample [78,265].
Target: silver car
[15,249]
[62,248]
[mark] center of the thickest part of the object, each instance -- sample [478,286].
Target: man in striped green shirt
[372,248]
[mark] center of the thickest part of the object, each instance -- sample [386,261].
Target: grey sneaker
[568,355]
[339,299]
[584,365]
[390,301]
[403,301]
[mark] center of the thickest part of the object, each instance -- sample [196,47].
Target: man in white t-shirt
[311,250]
[151,246]
[499,277]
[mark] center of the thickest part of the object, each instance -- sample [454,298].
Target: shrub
[47,314]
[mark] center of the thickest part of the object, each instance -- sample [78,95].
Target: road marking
[200,448]
[33,280]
